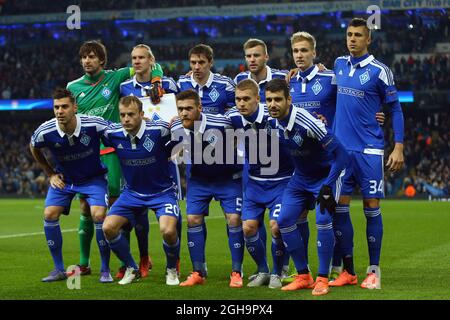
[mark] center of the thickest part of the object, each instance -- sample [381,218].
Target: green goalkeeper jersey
[99,95]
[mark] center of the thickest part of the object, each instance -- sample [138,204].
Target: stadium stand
[47,56]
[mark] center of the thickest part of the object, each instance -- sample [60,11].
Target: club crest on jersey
[212,139]
[316,88]
[148,144]
[85,139]
[106,92]
[364,77]
[214,94]
[297,138]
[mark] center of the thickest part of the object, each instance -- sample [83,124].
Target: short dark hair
[188,95]
[61,93]
[251,43]
[278,84]
[129,100]
[203,49]
[359,22]
[94,46]
[248,84]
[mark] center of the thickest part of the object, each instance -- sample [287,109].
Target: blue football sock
[256,250]
[103,247]
[294,245]
[236,245]
[121,248]
[263,234]
[303,227]
[179,230]
[172,253]
[278,253]
[53,235]
[325,245]
[142,229]
[196,244]
[374,233]
[343,231]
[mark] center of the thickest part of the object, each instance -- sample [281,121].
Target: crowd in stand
[11,7]
[45,59]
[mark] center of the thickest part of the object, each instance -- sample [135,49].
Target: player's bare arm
[56,179]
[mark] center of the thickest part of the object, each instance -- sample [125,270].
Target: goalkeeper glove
[155,92]
[326,200]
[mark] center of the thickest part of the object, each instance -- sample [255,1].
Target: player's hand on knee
[326,200]
[56,181]
[290,74]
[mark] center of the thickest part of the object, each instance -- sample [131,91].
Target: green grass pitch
[415,258]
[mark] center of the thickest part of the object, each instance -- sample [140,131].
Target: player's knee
[169,234]
[250,227]
[234,220]
[98,215]
[194,220]
[51,214]
[371,203]
[274,229]
[344,200]
[84,207]
[110,230]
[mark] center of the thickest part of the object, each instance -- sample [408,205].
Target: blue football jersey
[315,91]
[361,90]
[217,95]
[271,74]
[208,137]
[77,156]
[260,122]
[307,137]
[143,158]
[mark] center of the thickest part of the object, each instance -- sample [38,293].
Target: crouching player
[319,160]
[74,142]
[141,148]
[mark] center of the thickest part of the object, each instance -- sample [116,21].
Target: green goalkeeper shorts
[111,161]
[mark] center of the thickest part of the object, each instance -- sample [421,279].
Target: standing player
[256,57]
[143,60]
[319,159]
[97,93]
[216,91]
[74,142]
[141,148]
[315,91]
[364,84]
[206,181]
[262,190]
